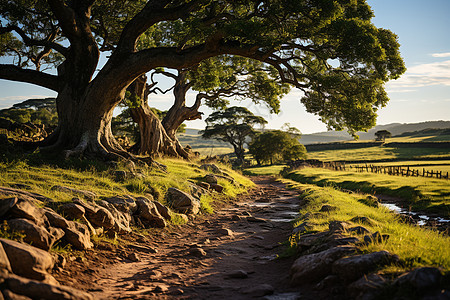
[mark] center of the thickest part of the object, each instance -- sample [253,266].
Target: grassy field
[427,194]
[435,165]
[415,246]
[267,170]
[379,153]
[100,179]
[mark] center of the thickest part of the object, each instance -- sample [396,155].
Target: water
[423,219]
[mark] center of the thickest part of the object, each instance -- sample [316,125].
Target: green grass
[379,153]
[266,170]
[436,165]
[414,245]
[427,194]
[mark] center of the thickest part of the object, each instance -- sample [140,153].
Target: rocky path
[231,254]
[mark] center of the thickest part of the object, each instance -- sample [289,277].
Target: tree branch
[15,73]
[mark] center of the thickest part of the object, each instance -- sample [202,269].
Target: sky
[421,94]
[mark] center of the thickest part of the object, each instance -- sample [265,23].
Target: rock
[6,204]
[120,175]
[121,219]
[29,261]
[149,214]
[420,279]
[303,227]
[4,261]
[359,230]
[161,288]
[89,208]
[87,194]
[27,210]
[328,282]
[32,288]
[182,202]
[256,220]
[327,208]
[124,203]
[134,257]
[210,178]
[163,210]
[78,236]
[203,185]
[240,274]
[217,187]
[101,218]
[197,251]
[314,267]
[23,195]
[225,231]
[338,226]
[260,290]
[366,286]
[55,219]
[370,200]
[211,167]
[354,267]
[73,211]
[38,236]
[8,295]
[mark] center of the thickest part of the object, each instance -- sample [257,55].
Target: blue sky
[421,94]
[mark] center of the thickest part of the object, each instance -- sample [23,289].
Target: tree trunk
[153,137]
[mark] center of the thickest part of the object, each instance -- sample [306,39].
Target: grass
[379,153]
[415,246]
[432,195]
[439,165]
[266,170]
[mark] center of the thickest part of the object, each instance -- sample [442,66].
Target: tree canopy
[276,146]
[328,49]
[233,125]
[381,135]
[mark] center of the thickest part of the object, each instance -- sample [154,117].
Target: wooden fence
[401,171]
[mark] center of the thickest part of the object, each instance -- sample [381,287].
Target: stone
[29,261]
[89,208]
[73,211]
[121,219]
[256,220]
[225,232]
[211,167]
[204,185]
[123,203]
[210,178]
[365,286]
[8,295]
[327,208]
[86,194]
[134,257]
[4,261]
[303,227]
[6,204]
[27,210]
[314,267]
[328,282]
[23,195]
[351,268]
[31,288]
[260,290]
[101,218]
[55,219]
[359,230]
[120,175]
[35,235]
[182,202]
[239,274]
[338,226]
[216,187]
[362,220]
[163,210]
[149,214]
[161,288]
[78,236]
[197,251]
[420,279]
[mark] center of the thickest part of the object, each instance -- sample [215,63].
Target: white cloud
[422,75]
[446,54]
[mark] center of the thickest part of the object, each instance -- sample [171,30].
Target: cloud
[437,73]
[446,54]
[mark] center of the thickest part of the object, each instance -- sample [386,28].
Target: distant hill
[394,128]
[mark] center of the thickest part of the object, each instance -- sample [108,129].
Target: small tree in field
[233,126]
[276,146]
[381,135]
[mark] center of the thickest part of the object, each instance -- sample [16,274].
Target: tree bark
[154,140]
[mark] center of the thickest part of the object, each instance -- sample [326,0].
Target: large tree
[234,125]
[329,49]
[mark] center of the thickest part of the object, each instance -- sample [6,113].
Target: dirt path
[228,255]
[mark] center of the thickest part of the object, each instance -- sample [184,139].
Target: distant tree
[381,135]
[276,146]
[36,111]
[233,125]
[293,131]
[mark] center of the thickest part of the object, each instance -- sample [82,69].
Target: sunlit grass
[414,245]
[422,193]
[266,170]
